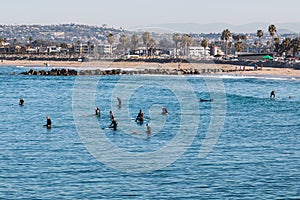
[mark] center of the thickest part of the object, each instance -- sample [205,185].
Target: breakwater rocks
[72,72]
[52,72]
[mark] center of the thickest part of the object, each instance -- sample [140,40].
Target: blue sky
[128,13]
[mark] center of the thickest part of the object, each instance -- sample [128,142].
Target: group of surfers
[139,118]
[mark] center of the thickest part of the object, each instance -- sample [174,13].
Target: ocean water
[242,145]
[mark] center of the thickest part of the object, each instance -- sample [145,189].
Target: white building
[93,49]
[198,51]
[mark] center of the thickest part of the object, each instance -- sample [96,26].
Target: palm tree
[183,42]
[123,40]
[204,44]
[190,41]
[110,40]
[295,45]
[276,43]
[285,46]
[80,47]
[134,41]
[146,39]
[272,30]
[259,34]
[89,47]
[30,41]
[152,44]
[239,46]
[176,39]
[226,35]
[236,37]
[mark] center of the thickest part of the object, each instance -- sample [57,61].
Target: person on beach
[113,124]
[97,111]
[21,102]
[140,117]
[111,115]
[48,123]
[272,95]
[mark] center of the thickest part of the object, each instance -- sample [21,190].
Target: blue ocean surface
[251,143]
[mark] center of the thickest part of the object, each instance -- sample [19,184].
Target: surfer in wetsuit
[97,111]
[272,95]
[140,117]
[111,115]
[148,131]
[48,125]
[119,102]
[21,102]
[205,100]
[113,124]
[164,111]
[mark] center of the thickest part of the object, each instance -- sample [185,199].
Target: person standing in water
[272,95]
[21,102]
[140,117]
[113,124]
[111,115]
[164,111]
[148,131]
[97,111]
[48,124]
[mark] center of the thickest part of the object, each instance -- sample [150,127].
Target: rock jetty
[112,72]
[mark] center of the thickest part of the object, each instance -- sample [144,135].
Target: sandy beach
[227,69]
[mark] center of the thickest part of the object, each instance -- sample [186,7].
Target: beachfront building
[199,52]
[104,49]
[215,50]
[93,49]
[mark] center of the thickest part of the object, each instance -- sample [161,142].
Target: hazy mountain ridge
[282,28]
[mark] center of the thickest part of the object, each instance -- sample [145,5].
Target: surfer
[148,131]
[272,95]
[21,102]
[97,111]
[206,100]
[140,117]
[164,111]
[119,102]
[113,124]
[111,115]
[48,124]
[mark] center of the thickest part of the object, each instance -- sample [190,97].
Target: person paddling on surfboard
[205,100]
[48,124]
[21,102]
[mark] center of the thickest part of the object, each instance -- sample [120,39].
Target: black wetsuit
[205,100]
[48,123]
[21,102]
[140,117]
[97,112]
[272,95]
[114,125]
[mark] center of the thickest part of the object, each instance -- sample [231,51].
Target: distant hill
[219,27]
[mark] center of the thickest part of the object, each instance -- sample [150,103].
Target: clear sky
[128,13]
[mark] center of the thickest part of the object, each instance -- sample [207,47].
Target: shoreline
[207,68]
